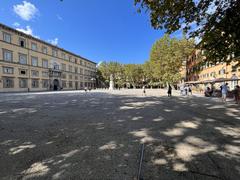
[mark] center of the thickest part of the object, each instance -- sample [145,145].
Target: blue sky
[98,30]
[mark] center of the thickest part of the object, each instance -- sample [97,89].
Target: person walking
[169,91]
[224,90]
[186,90]
[144,91]
[189,90]
[236,93]
[182,90]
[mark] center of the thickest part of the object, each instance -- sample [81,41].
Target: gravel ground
[98,135]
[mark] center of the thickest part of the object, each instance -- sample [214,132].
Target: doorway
[55,84]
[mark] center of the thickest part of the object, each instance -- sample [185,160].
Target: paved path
[97,135]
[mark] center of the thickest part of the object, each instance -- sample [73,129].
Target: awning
[212,81]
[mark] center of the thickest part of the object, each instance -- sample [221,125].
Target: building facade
[207,72]
[30,64]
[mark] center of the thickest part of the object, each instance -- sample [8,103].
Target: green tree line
[167,56]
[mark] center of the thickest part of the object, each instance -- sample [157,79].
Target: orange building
[198,72]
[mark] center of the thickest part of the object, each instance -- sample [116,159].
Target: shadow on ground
[98,136]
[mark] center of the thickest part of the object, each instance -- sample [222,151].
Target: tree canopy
[216,23]
[167,57]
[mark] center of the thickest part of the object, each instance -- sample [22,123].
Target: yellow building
[208,72]
[30,64]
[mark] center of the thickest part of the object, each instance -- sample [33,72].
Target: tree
[167,57]
[216,23]
[109,69]
[134,74]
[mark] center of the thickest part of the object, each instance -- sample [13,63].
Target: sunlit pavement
[97,135]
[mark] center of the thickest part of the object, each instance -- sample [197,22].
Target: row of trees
[166,59]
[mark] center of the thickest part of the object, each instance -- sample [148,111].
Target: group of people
[185,90]
[236,92]
[224,89]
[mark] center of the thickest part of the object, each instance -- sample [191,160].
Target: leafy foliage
[215,22]
[108,69]
[134,74]
[167,57]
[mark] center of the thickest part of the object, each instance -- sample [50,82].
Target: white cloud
[28,30]
[16,24]
[26,11]
[53,41]
[59,17]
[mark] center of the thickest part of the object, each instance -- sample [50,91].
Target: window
[8,82]
[70,68]
[54,52]
[45,63]
[44,50]
[76,70]
[7,70]
[56,66]
[64,67]
[45,83]
[234,68]
[221,72]
[34,46]
[35,83]
[45,74]
[70,84]
[22,42]
[35,73]
[63,56]
[34,61]
[69,57]
[22,59]
[64,84]
[23,83]
[76,61]
[7,55]
[7,37]
[81,71]
[64,76]
[22,72]
[76,78]
[70,76]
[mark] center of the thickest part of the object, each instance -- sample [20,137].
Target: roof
[41,41]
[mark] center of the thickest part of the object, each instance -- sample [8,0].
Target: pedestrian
[190,90]
[186,90]
[236,93]
[181,90]
[169,91]
[85,89]
[144,91]
[224,91]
